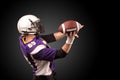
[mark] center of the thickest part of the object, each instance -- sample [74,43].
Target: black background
[83,62]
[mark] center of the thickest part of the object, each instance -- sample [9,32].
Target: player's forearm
[70,39]
[58,35]
[66,48]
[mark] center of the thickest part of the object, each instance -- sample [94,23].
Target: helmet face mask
[37,26]
[30,24]
[40,27]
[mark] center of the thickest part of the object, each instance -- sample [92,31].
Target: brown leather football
[70,26]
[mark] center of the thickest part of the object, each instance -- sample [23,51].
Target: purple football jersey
[39,55]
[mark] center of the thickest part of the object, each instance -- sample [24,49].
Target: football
[70,26]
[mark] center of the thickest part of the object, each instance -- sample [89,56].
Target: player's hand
[70,37]
[70,34]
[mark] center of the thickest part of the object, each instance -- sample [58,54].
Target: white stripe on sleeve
[38,48]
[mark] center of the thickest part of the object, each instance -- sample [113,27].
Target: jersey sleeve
[49,38]
[45,54]
[60,54]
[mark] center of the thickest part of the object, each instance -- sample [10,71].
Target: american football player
[36,50]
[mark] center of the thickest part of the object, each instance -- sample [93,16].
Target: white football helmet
[29,24]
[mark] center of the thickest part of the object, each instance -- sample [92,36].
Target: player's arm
[65,49]
[51,53]
[58,35]
[53,37]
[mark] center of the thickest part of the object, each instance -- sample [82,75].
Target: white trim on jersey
[43,67]
[37,49]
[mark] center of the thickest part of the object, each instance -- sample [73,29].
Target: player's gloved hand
[70,37]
